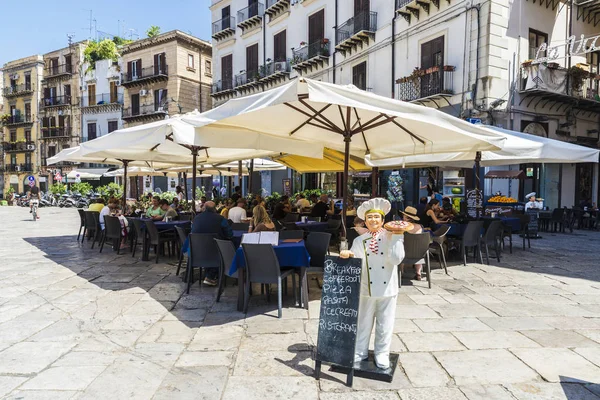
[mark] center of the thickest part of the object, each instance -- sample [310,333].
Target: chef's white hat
[377,204]
[532,194]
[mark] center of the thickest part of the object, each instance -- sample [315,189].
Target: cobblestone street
[76,324]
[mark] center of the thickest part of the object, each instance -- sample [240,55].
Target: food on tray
[457,190]
[398,226]
[501,199]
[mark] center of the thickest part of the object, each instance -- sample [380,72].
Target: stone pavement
[75,324]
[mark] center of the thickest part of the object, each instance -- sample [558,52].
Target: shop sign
[14,179]
[572,47]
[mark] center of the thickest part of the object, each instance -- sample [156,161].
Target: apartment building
[165,75]
[101,99]
[466,58]
[21,97]
[60,110]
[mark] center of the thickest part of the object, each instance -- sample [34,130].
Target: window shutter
[316,27]
[156,64]
[46,93]
[279,46]
[139,68]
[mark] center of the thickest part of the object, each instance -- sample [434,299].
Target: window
[13,82]
[114,93]
[91,131]
[28,136]
[28,160]
[251,63]
[207,67]
[68,66]
[160,64]
[227,72]
[28,81]
[359,75]
[113,126]
[135,104]
[13,136]
[225,18]
[191,61]
[28,111]
[279,46]
[91,95]
[160,100]
[51,151]
[67,92]
[134,69]
[536,38]
[13,159]
[316,30]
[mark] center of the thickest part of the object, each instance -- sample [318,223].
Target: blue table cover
[514,223]
[457,229]
[313,226]
[288,254]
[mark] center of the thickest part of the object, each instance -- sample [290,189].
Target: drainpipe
[478,8]
[335,13]
[394,54]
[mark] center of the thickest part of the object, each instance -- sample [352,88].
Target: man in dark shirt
[236,195]
[322,209]
[282,208]
[209,221]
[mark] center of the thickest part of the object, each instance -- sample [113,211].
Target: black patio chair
[333,228]
[291,226]
[240,226]
[112,230]
[158,239]
[316,219]
[557,219]
[203,254]
[291,217]
[227,254]
[317,245]
[492,236]
[92,226]
[81,223]
[138,234]
[416,249]
[185,217]
[182,235]
[471,239]
[524,221]
[262,267]
[438,245]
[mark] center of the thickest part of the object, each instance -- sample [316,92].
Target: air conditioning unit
[280,66]
[15,77]
[31,147]
[143,92]
[18,168]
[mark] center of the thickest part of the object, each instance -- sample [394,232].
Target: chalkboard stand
[369,370]
[348,371]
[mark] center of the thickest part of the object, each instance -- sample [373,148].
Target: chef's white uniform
[532,205]
[378,292]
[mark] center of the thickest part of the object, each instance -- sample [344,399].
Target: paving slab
[559,365]
[486,392]
[494,340]
[205,383]
[560,338]
[430,341]
[261,388]
[423,370]
[442,393]
[550,391]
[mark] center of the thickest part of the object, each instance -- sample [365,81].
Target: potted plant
[449,68]
[325,41]
[9,195]
[302,43]
[4,118]
[578,75]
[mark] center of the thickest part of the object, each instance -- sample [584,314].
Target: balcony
[275,8]
[55,132]
[275,71]
[247,79]
[251,16]
[311,56]
[412,8]
[556,86]
[14,121]
[55,71]
[18,90]
[144,112]
[105,102]
[589,11]
[223,28]
[150,74]
[56,101]
[357,31]
[225,85]
[18,167]
[429,85]
[18,147]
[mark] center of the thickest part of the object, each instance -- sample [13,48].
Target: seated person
[237,213]
[155,211]
[175,205]
[260,220]
[351,211]
[97,205]
[410,215]
[282,208]
[323,208]
[301,202]
[430,218]
[225,210]
[447,210]
[169,211]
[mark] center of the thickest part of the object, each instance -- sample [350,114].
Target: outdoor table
[236,239]
[512,222]
[289,255]
[312,226]
[161,226]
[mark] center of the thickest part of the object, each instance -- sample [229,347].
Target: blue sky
[40,26]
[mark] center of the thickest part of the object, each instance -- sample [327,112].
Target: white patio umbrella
[136,171]
[345,117]
[519,148]
[74,174]
[207,170]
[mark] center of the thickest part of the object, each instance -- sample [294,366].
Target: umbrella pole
[347,140]
[125,164]
[375,182]
[240,176]
[251,171]
[477,180]
[185,187]
[194,165]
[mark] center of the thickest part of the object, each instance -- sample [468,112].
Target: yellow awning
[332,161]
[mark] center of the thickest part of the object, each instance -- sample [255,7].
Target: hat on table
[411,213]
[532,194]
[378,205]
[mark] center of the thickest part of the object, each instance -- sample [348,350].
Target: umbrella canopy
[135,171]
[83,175]
[206,170]
[519,148]
[333,161]
[258,164]
[74,154]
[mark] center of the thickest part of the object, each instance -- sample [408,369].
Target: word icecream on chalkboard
[338,319]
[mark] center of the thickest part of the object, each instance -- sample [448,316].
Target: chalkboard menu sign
[533,222]
[338,319]
[474,203]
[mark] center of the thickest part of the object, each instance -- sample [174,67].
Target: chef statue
[533,203]
[381,249]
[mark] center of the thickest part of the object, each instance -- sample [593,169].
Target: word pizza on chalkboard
[474,203]
[338,319]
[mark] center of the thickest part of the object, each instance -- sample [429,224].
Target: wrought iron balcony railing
[306,52]
[223,85]
[55,70]
[273,68]
[56,101]
[102,99]
[222,25]
[18,147]
[18,167]
[50,132]
[253,10]
[247,77]
[365,21]
[17,90]
[146,73]
[428,82]
[146,109]
[18,119]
